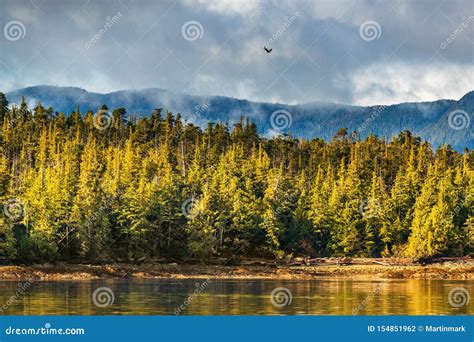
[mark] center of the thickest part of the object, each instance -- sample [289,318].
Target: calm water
[230,297]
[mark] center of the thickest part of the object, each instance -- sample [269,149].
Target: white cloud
[26,14]
[228,6]
[330,9]
[400,82]
[319,57]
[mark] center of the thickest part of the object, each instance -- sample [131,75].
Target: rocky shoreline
[365,269]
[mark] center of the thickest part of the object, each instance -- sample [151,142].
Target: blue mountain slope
[319,119]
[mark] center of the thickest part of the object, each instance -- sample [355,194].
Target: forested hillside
[429,120]
[98,186]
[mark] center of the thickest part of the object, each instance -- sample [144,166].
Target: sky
[346,51]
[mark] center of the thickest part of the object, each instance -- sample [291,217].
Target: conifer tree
[159,187]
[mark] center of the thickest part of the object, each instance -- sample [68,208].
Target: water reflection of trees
[162,297]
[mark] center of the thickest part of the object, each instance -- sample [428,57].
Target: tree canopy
[79,187]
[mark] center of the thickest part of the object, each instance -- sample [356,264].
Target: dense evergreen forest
[112,186]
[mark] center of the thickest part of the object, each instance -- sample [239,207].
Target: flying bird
[267,50]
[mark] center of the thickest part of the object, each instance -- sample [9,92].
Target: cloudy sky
[346,51]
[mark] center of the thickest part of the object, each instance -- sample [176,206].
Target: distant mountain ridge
[433,121]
